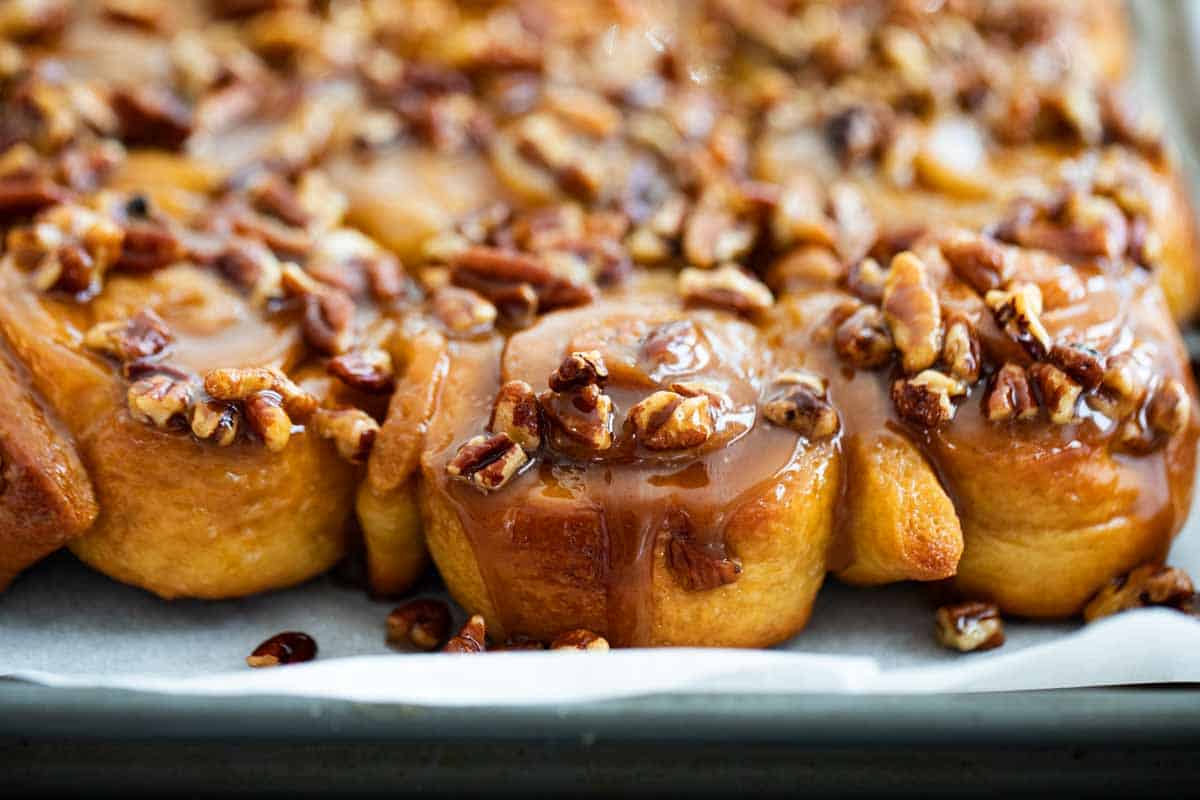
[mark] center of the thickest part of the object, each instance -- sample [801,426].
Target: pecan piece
[580,639]
[577,370]
[237,383]
[289,647]
[463,312]
[159,399]
[266,417]
[1170,409]
[144,335]
[726,287]
[1147,585]
[368,370]
[960,351]
[912,310]
[149,246]
[1018,311]
[713,234]
[670,421]
[152,117]
[863,338]
[517,413]
[970,626]
[251,266]
[1009,395]
[352,430]
[1058,391]
[1124,386]
[423,623]
[866,280]
[800,402]
[581,418]
[471,638]
[496,273]
[329,321]
[696,567]
[487,463]
[927,398]
[977,260]
[216,421]
[1084,364]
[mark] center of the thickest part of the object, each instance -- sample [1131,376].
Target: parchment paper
[63,625]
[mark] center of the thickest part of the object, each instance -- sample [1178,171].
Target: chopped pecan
[239,383]
[329,321]
[1124,385]
[806,266]
[266,417]
[487,463]
[580,418]
[1009,395]
[799,216]
[290,647]
[23,194]
[961,354]
[1170,409]
[863,338]
[912,310]
[149,246]
[495,273]
[800,401]
[152,117]
[978,260]
[352,430]
[1058,391]
[463,311]
[271,194]
[368,370]
[516,412]
[970,626]
[251,266]
[1084,364]
[695,566]
[216,421]
[713,234]
[1147,585]
[726,287]
[143,335]
[866,280]
[670,421]
[70,246]
[927,399]
[577,370]
[1018,311]
[159,399]
[471,638]
[580,639]
[423,623]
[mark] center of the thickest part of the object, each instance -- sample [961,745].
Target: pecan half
[977,260]
[912,310]
[800,401]
[1018,311]
[961,354]
[577,370]
[352,430]
[471,638]
[970,626]
[159,399]
[1058,391]
[144,335]
[463,312]
[1147,585]
[289,647]
[423,623]
[216,421]
[151,117]
[329,321]
[670,421]
[1009,395]
[696,567]
[368,370]
[496,273]
[516,412]
[927,398]
[863,338]
[580,639]
[726,287]
[149,246]
[487,463]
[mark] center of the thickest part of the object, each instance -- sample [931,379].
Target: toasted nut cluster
[977,260]
[801,402]
[961,356]
[367,370]
[289,647]
[423,624]
[142,336]
[864,339]
[216,421]
[1009,395]
[516,413]
[927,398]
[241,383]
[1018,311]
[352,430]
[1124,385]
[471,638]
[1148,585]
[695,566]
[487,463]
[726,287]
[669,421]
[579,639]
[69,247]
[912,310]
[578,413]
[969,627]
[159,399]
[463,312]
[1058,391]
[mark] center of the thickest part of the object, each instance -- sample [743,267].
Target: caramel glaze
[1089,481]
[603,515]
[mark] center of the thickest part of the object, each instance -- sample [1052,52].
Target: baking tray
[1105,739]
